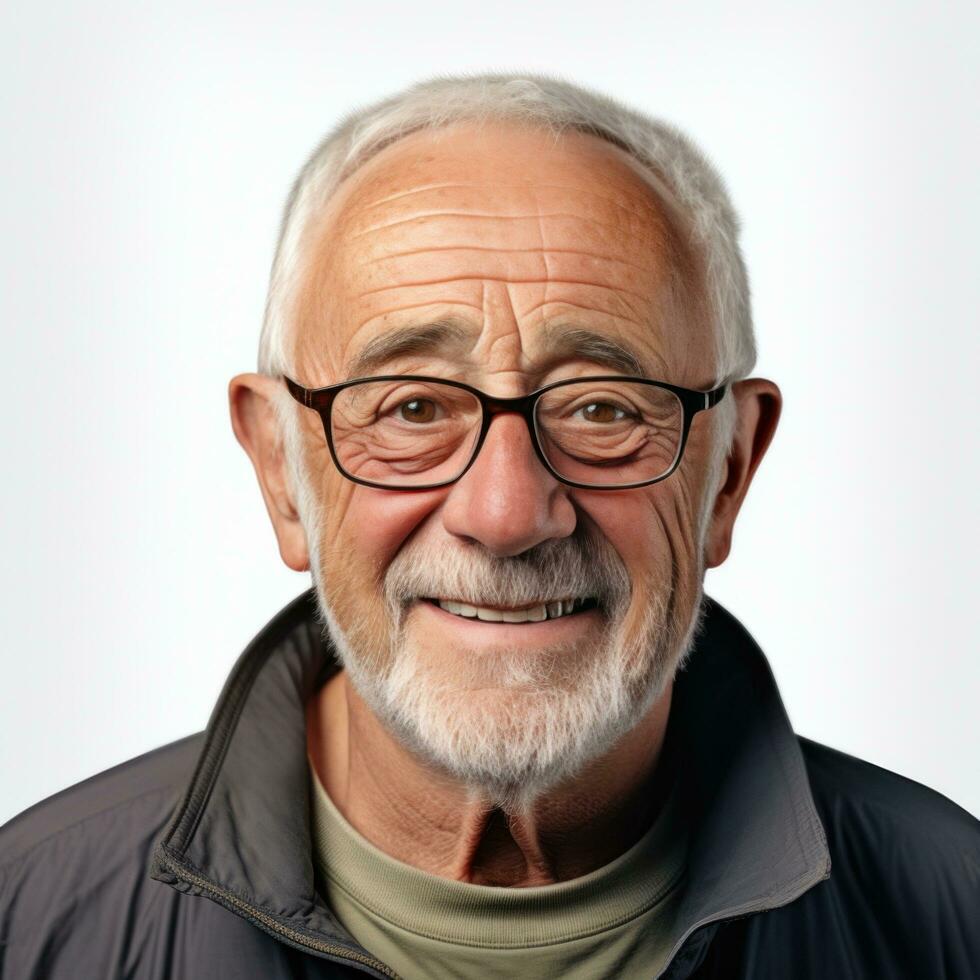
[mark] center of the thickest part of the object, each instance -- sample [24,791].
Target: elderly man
[504,418]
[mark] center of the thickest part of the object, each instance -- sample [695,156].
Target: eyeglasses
[411,432]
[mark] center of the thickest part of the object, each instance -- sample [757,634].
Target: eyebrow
[566,342]
[431,338]
[444,337]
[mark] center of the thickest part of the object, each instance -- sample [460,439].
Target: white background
[148,149]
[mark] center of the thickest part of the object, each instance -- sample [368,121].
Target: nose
[507,500]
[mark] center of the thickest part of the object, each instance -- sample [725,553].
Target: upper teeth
[535,614]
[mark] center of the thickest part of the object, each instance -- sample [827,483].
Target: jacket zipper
[267,920]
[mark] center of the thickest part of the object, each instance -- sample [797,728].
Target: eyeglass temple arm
[301,394]
[713,397]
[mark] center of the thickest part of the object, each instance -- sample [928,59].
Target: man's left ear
[759,405]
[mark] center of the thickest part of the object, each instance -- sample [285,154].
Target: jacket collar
[241,832]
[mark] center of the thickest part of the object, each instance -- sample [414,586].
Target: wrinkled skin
[511,233]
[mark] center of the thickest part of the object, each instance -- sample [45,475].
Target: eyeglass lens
[415,433]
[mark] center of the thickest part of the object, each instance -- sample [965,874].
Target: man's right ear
[251,400]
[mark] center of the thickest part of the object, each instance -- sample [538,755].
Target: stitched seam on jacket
[247,899]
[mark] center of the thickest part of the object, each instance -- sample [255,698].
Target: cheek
[651,530]
[632,524]
[365,528]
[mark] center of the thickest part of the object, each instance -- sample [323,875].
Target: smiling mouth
[538,613]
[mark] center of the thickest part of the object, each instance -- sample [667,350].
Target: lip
[526,606]
[477,632]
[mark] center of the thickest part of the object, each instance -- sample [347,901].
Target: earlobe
[251,401]
[718,545]
[759,407]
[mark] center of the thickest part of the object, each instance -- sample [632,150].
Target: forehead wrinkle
[508,251]
[646,203]
[477,308]
[650,240]
[371,205]
[443,252]
[415,306]
[527,313]
[476,277]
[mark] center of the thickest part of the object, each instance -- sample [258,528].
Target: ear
[759,406]
[251,399]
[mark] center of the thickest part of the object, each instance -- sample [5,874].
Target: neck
[424,818]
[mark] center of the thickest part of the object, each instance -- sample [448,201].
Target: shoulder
[900,851]
[902,896]
[861,798]
[76,898]
[126,805]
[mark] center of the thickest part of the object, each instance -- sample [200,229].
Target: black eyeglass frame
[321,400]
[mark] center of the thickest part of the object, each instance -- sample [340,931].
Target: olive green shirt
[617,921]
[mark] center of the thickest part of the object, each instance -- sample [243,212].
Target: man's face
[515,239]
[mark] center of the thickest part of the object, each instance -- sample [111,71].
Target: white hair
[555,106]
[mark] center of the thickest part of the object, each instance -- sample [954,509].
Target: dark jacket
[195,860]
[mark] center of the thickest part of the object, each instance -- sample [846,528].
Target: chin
[511,724]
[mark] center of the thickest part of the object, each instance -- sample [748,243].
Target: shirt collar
[241,835]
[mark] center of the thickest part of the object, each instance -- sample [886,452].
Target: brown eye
[602,412]
[418,410]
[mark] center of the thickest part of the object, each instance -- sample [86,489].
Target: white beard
[512,723]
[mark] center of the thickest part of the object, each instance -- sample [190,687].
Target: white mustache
[574,567]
